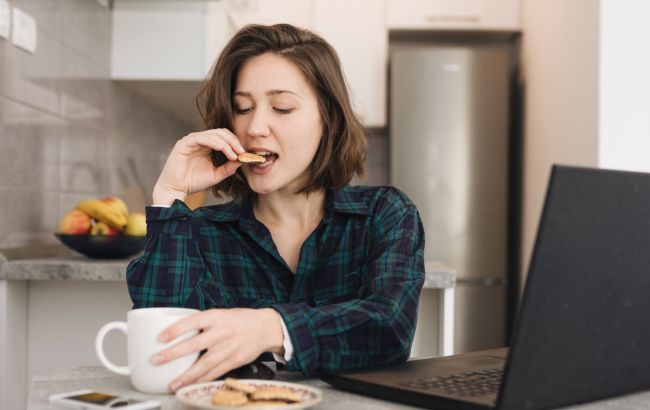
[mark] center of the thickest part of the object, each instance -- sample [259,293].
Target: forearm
[353,334]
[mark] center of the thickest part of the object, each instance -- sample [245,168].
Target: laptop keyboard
[468,384]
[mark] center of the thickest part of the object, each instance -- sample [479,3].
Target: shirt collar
[344,200]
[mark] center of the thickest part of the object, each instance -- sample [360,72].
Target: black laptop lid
[583,330]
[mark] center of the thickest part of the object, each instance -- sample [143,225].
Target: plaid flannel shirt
[352,302]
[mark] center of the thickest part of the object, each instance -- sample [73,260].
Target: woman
[323,275]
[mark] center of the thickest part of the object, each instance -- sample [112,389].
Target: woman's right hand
[189,167]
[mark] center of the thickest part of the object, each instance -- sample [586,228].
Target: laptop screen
[583,330]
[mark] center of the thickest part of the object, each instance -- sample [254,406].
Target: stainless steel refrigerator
[449,152]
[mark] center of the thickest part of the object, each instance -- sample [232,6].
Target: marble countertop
[58,263]
[97,378]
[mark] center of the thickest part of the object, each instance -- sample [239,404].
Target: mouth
[269,158]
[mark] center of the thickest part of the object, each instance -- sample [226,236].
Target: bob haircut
[342,149]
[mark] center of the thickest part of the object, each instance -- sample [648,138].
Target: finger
[225,171]
[202,367]
[215,142]
[218,371]
[187,347]
[196,321]
[227,135]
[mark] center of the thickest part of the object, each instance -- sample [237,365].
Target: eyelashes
[242,111]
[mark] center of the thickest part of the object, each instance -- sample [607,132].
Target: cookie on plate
[229,398]
[235,384]
[276,393]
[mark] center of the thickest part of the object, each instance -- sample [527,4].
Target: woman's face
[276,115]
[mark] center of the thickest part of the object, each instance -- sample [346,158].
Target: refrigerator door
[449,153]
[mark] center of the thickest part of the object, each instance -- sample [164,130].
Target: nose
[259,124]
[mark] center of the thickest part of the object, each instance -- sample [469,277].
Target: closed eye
[283,110]
[243,110]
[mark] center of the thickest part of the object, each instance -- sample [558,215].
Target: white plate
[200,395]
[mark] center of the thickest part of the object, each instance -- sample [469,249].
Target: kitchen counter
[94,377]
[57,263]
[52,298]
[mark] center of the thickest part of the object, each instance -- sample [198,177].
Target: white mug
[142,328]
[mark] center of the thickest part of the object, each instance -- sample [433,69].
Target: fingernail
[163,338]
[157,359]
[176,385]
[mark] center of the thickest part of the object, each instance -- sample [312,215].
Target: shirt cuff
[305,345]
[161,206]
[286,343]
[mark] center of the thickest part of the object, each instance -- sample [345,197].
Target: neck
[297,210]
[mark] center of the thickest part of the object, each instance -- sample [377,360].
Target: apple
[75,222]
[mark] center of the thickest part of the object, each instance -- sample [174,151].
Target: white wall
[624,138]
[560,72]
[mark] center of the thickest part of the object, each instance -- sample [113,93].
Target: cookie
[275,393]
[250,158]
[235,384]
[229,398]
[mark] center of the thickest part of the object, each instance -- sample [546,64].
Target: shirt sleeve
[286,343]
[377,328]
[171,268]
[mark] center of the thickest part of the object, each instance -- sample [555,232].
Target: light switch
[5,18]
[23,33]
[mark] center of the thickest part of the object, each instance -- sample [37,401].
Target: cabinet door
[217,33]
[456,14]
[157,40]
[357,30]
[243,12]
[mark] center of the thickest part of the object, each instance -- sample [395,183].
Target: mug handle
[99,347]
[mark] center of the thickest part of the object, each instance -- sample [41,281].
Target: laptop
[582,332]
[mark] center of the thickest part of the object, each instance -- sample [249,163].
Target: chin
[261,189]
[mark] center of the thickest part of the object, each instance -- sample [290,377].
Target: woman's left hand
[232,337]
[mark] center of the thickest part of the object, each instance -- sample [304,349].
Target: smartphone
[89,399]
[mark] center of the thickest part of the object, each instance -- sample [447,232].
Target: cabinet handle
[453,19]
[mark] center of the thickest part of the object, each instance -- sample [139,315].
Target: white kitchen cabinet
[454,15]
[178,40]
[166,40]
[357,30]
[243,12]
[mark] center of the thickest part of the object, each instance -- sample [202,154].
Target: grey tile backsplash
[67,132]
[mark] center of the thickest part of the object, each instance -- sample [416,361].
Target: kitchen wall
[560,69]
[585,66]
[67,131]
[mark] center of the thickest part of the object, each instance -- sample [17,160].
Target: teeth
[263,153]
[264,165]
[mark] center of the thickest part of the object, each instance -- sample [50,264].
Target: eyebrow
[270,92]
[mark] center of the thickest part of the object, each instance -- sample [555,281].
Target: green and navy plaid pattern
[352,302]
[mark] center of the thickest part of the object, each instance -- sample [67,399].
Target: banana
[103,212]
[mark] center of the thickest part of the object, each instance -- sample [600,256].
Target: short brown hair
[342,150]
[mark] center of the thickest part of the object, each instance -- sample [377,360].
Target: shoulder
[227,212]
[382,201]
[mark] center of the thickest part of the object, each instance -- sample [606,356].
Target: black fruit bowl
[103,247]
